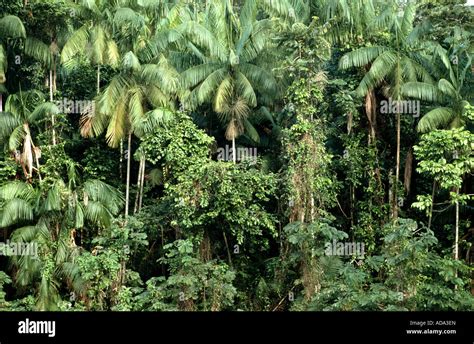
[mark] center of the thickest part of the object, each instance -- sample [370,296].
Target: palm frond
[408,18]
[201,36]
[118,124]
[194,75]
[12,27]
[14,211]
[130,62]
[447,88]
[261,78]
[422,91]
[44,110]
[98,214]
[151,120]
[8,122]
[360,57]
[16,139]
[98,191]
[76,44]
[17,189]
[436,118]
[223,95]
[250,131]
[39,51]
[380,68]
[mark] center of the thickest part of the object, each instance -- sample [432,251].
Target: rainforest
[236,155]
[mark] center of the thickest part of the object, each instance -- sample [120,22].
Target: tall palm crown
[95,36]
[11,27]
[229,70]
[141,94]
[145,82]
[393,64]
[452,90]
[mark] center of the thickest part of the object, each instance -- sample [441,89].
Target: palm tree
[451,91]
[46,46]
[95,37]
[53,213]
[391,65]
[229,74]
[15,127]
[348,20]
[138,98]
[11,28]
[290,11]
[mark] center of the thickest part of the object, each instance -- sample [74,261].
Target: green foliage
[225,197]
[170,82]
[177,146]
[446,156]
[403,276]
[4,280]
[192,285]
[103,269]
[100,163]
[310,187]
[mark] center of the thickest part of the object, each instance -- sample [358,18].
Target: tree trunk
[234,153]
[98,79]
[37,157]
[456,240]
[142,182]
[121,160]
[397,171]
[1,102]
[127,190]
[53,123]
[135,209]
[371,112]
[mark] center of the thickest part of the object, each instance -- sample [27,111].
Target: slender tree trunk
[1,102]
[234,153]
[397,171]
[142,182]
[129,157]
[55,76]
[121,160]
[98,79]
[135,209]
[35,149]
[456,240]
[53,122]
[351,204]
[371,112]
